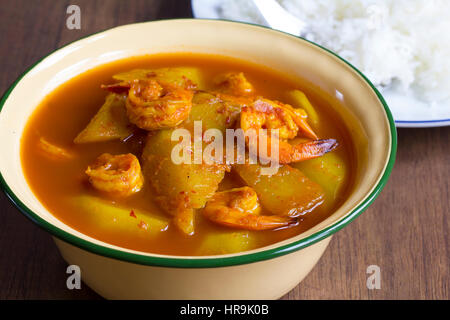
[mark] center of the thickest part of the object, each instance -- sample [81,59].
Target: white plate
[407,111]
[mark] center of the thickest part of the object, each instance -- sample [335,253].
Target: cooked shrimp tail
[240,208]
[301,121]
[303,151]
[53,151]
[240,220]
[119,88]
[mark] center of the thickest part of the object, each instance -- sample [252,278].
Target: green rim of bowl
[215,261]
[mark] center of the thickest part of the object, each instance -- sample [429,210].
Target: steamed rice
[401,45]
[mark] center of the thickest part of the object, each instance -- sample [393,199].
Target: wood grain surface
[405,232]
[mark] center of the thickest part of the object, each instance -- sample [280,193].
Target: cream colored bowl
[265,273]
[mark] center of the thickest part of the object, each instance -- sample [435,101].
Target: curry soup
[62,157]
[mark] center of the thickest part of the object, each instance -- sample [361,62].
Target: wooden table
[405,232]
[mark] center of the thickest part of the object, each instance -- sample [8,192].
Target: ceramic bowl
[265,273]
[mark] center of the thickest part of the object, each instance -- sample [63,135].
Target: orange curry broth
[68,109]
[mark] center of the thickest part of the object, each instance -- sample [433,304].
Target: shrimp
[116,174]
[234,83]
[53,151]
[289,153]
[155,104]
[270,115]
[240,208]
[264,113]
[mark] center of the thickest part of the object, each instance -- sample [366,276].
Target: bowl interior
[371,127]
